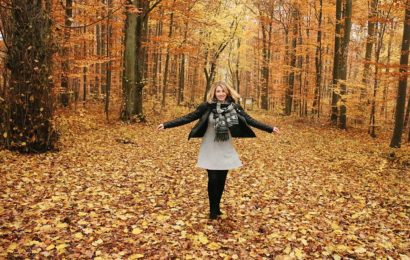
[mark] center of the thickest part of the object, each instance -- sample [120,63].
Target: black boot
[213,194]
[220,189]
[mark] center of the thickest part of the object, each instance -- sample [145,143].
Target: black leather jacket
[202,112]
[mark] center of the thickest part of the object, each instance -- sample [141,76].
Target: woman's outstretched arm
[255,123]
[185,119]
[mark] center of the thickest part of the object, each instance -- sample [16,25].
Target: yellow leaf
[287,250]
[404,257]
[5,135]
[62,225]
[298,253]
[387,245]
[203,239]
[214,246]
[135,256]
[82,222]
[335,226]
[12,247]
[171,203]
[360,250]
[144,224]
[87,231]
[136,231]
[336,257]
[78,235]
[341,248]
[162,217]
[82,214]
[61,248]
[32,242]
[97,242]
[274,236]
[50,247]
[46,228]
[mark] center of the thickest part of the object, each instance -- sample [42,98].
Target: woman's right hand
[160,127]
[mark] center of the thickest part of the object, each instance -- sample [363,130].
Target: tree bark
[265,71]
[401,91]
[369,48]
[336,63]
[165,82]
[343,68]
[65,66]
[29,106]
[318,64]
[109,63]
[135,65]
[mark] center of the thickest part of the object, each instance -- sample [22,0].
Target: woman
[220,119]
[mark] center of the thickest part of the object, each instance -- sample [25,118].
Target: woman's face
[220,94]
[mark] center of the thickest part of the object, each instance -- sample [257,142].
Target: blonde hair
[230,92]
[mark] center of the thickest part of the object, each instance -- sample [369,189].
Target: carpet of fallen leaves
[118,190]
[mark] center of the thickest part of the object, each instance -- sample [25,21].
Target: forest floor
[117,190]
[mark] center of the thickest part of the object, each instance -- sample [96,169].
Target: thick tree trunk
[134,61]
[29,106]
[401,92]
[129,83]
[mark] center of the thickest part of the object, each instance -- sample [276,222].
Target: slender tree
[318,62]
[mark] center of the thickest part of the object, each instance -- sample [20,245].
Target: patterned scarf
[225,116]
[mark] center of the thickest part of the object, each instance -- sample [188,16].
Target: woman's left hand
[275,130]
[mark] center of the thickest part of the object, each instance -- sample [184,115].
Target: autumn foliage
[88,81]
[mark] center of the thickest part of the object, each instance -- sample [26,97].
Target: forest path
[128,191]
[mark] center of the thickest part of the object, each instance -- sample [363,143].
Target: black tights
[216,185]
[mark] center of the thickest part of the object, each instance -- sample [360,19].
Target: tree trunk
[181,81]
[384,108]
[266,43]
[407,116]
[65,53]
[345,54]
[299,66]
[236,74]
[401,92]
[108,65]
[369,47]
[134,61]
[29,106]
[336,63]
[292,53]
[165,82]
[129,83]
[318,64]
